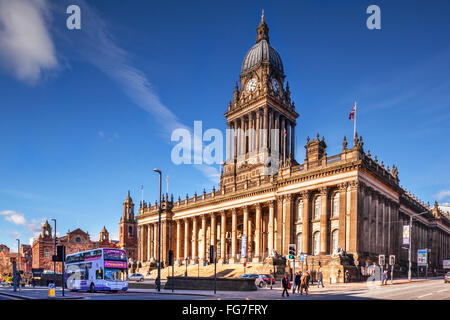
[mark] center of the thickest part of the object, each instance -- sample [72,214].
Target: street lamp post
[18,263]
[54,249]
[158,279]
[410,244]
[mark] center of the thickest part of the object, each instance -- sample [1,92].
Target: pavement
[402,289]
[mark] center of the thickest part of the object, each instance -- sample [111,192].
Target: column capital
[233,211]
[355,185]
[272,204]
[324,191]
[289,197]
[342,186]
[280,198]
[258,206]
[213,214]
[223,213]
[178,221]
[306,194]
[245,208]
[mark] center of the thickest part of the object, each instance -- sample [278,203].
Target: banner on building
[422,257]
[406,234]
[244,246]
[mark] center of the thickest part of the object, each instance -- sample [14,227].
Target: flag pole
[354,123]
[142,191]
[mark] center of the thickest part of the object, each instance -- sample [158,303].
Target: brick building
[74,241]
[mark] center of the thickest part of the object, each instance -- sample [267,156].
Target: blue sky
[87,114]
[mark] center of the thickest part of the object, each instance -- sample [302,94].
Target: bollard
[51,290]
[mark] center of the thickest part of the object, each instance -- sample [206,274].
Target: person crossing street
[286,284]
[320,278]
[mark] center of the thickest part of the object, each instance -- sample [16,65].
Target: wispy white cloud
[100,49]
[443,194]
[27,49]
[13,217]
[22,194]
[110,138]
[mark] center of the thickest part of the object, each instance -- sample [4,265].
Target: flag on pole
[167,180]
[352,113]
[352,116]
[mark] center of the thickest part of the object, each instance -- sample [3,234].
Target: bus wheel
[92,288]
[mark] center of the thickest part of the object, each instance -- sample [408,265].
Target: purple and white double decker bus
[101,269]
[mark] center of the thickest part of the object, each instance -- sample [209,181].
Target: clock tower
[261,118]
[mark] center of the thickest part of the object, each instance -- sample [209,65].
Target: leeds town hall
[341,210]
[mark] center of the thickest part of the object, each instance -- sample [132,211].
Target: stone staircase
[223,270]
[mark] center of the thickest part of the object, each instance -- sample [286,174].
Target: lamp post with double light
[410,244]
[158,279]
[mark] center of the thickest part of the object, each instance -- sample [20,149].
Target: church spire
[262,32]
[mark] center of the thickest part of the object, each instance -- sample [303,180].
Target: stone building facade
[77,240]
[349,201]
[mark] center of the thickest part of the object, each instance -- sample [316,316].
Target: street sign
[51,290]
[381,259]
[446,264]
[302,257]
[392,259]
[422,257]
[406,234]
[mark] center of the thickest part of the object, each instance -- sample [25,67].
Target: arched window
[300,210]
[130,231]
[334,240]
[316,243]
[299,243]
[317,208]
[335,205]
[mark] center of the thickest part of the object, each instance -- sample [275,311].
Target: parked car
[136,277]
[259,278]
[268,278]
[447,277]
[249,275]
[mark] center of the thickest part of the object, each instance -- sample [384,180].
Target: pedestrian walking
[385,278]
[320,278]
[286,284]
[296,283]
[346,276]
[304,283]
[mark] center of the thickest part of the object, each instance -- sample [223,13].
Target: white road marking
[428,294]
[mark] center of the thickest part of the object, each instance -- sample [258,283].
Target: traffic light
[170,257]
[211,254]
[60,253]
[292,251]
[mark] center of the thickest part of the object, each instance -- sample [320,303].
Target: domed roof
[262,51]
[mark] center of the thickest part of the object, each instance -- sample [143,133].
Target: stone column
[258,131]
[186,238]
[271,226]
[223,229]
[178,249]
[149,242]
[229,156]
[288,223]
[279,234]
[233,234]
[288,134]
[140,244]
[306,234]
[283,140]
[342,215]
[235,138]
[213,237]
[257,233]
[293,140]
[353,243]
[155,241]
[250,132]
[265,126]
[203,242]
[324,221]
[194,239]
[245,231]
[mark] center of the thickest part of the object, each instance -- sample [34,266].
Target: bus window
[99,274]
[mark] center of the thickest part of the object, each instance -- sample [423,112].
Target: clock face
[251,85]
[275,85]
